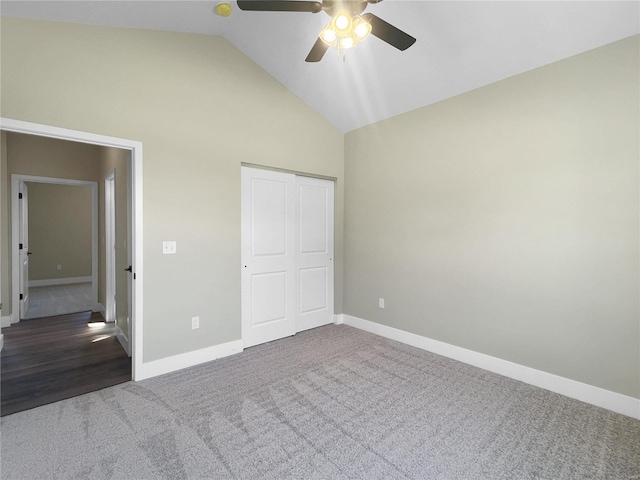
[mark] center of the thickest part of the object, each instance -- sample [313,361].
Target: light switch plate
[168,248]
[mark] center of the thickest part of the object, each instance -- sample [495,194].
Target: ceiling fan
[346,28]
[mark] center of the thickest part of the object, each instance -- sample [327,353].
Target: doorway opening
[60,234]
[133,219]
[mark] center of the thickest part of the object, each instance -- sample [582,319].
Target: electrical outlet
[381,303]
[59,267]
[168,248]
[195,323]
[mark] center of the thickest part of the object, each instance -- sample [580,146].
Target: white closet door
[314,252]
[268,256]
[23,236]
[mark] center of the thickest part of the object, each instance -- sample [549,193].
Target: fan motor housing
[352,7]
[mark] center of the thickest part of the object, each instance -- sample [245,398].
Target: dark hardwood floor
[45,360]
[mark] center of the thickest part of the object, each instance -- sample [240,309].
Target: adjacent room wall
[200,108]
[59,231]
[50,157]
[5,230]
[43,157]
[506,220]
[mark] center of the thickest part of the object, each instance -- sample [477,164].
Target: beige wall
[59,230]
[114,159]
[200,107]
[506,220]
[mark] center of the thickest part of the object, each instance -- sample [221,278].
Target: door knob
[128,269]
[29,253]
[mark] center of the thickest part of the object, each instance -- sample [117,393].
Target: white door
[268,256]
[287,254]
[110,246]
[131,274]
[314,252]
[23,239]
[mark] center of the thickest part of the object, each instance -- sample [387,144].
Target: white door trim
[15,272]
[135,147]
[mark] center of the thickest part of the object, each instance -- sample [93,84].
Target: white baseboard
[338,319]
[59,281]
[5,321]
[1,341]
[103,311]
[185,360]
[599,397]
[124,341]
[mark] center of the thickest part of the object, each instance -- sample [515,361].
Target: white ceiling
[461,45]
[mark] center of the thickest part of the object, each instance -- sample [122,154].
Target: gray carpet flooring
[59,300]
[333,402]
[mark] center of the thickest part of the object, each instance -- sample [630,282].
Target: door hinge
[20,247]
[21,297]
[134,276]
[20,196]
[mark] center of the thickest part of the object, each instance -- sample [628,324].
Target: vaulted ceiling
[461,45]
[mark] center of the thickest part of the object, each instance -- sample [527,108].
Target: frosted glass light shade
[361,28]
[328,36]
[342,23]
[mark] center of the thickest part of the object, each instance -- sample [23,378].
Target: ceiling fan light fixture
[348,25]
[328,36]
[342,23]
[346,42]
[361,28]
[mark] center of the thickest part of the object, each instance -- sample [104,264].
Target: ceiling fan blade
[279,6]
[317,51]
[388,33]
